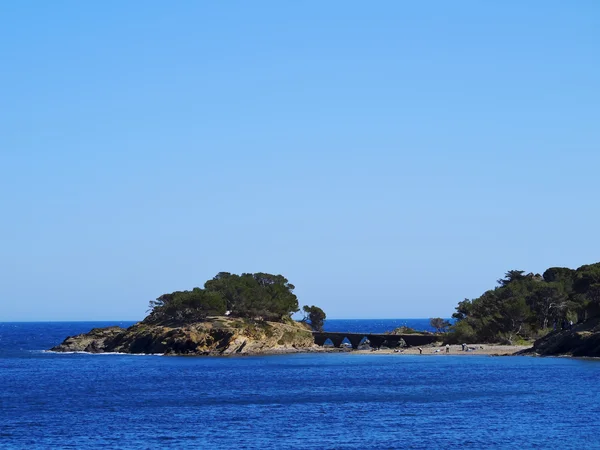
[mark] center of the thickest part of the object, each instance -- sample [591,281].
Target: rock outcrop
[582,340]
[215,336]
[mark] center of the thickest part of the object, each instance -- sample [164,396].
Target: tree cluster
[440,325]
[260,296]
[314,316]
[524,305]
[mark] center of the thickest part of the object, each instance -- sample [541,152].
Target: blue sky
[389,159]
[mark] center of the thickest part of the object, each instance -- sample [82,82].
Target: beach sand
[455,350]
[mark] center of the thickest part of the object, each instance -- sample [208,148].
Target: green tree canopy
[259,296]
[186,306]
[524,305]
[440,325]
[511,276]
[315,316]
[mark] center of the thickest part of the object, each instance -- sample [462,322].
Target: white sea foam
[104,353]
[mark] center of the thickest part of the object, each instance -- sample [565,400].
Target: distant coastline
[557,313]
[222,336]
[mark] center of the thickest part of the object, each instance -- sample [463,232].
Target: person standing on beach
[420,351]
[447,348]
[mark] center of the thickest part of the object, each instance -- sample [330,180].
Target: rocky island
[232,314]
[213,336]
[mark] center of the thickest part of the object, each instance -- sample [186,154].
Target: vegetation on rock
[528,305]
[314,316]
[580,340]
[405,330]
[242,314]
[259,296]
[214,336]
[440,325]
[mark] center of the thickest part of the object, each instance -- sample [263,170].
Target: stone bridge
[375,340]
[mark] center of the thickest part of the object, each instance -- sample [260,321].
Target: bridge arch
[375,340]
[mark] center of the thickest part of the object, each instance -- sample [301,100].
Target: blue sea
[312,401]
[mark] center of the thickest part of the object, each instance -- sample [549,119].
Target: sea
[299,401]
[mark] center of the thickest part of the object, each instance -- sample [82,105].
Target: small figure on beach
[463,347]
[447,348]
[420,351]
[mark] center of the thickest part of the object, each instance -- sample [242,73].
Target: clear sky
[389,158]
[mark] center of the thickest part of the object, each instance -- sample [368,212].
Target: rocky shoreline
[215,336]
[221,336]
[583,340]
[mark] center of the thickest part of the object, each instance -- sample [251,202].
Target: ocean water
[312,401]
[376,325]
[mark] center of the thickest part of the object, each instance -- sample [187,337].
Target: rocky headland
[232,314]
[212,336]
[581,341]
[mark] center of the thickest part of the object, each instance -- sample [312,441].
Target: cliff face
[583,340]
[215,336]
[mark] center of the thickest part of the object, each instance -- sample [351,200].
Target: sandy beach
[437,350]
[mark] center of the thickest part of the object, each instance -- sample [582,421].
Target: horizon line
[129,320]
